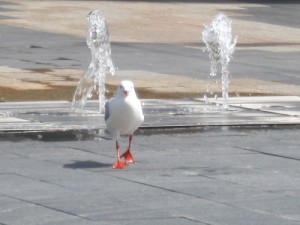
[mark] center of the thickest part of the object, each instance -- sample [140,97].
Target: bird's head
[126,88]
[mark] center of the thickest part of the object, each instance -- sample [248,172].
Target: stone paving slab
[212,176]
[243,111]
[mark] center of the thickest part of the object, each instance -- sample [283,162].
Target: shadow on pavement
[86,165]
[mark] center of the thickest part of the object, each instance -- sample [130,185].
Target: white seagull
[123,115]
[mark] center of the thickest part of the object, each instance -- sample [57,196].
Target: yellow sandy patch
[21,79]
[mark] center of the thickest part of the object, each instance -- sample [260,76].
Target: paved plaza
[217,175]
[195,162]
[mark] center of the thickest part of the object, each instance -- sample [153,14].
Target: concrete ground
[195,164]
[205,176]
[239,166]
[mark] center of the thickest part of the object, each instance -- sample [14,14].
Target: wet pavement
[51,116]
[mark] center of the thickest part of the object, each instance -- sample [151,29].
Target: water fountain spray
[218,39]
[101,64]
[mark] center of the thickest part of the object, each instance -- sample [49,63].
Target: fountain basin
[52,116]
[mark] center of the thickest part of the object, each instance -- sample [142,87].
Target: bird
[123,116]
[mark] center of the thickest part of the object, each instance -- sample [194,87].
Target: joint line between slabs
[47,207]
[173,191]
[266,153]
[193,220]
[208,200]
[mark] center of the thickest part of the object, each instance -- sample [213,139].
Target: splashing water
[218,39]
[101,64]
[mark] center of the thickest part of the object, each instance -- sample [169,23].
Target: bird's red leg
[128,154]
[119,164]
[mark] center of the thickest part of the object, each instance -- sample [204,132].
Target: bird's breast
[126,116]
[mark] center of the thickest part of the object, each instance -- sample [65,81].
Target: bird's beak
[126,92]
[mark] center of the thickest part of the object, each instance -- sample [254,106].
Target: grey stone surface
[159,58]
[27,49]
[208,176]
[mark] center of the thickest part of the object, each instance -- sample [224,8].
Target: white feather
[124,113]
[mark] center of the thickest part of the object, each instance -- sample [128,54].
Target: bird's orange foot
[119,165]
[128,157]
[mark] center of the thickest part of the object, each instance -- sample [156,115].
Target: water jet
[218,40]
[101,64]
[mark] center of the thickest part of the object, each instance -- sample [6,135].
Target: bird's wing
[106,116]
